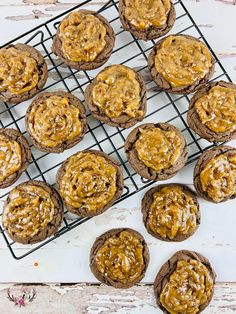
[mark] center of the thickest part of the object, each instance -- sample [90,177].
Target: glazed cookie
[215,174]
[84,40]
[156,151]
[23,73]
[33,212]
[89,182]
[147,19]
[212,112]
[15,156]
[180,64]
[56,121]
[119,258]
[171,212]
[117,96]
[185,283]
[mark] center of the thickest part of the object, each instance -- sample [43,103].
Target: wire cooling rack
[162,107]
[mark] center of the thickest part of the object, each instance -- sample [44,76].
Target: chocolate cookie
[144,22]
[117,96]
[192,292]
[172,64]
[56,121]
[23,72]
[215,174]
[33,212]
[15,156]
[171,212]
[119,258]
[156,151]
[89,182]
[212,112]
[84,40]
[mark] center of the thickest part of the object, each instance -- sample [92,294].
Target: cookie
[117,96]
[156,151]
[180,64]
[32,212]
[23,72]
[84,40]
[146,22]
[171,212]
[185,283]
[15,156]
[212,112]
[56,121]
[89,182]
[215,174]
[119,258]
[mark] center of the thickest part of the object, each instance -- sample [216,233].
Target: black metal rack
[161,106]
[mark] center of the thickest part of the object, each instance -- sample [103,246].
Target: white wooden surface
[66,259]
[87,299]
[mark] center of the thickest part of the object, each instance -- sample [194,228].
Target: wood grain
[36,14]
[99,299]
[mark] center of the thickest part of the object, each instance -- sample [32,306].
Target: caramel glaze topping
[217,109]
[218,178]
[29,210]
[158,149]
[10,157]
[144,14]
[89,181]
[173,212]
[117,92]
[182,61]
[82,37]
[54,120]
[18,71]
[189,286]
[120,258]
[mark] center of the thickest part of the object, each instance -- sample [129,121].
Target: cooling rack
[162,107]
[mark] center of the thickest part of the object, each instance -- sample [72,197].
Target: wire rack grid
[162,107]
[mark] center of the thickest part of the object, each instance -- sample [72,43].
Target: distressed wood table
[57,279]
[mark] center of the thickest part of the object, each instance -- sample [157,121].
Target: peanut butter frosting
[173,212]
[89,181]
[218,178]
[120,258]
[82,37]
[117,92]
[217,109]
[18,71]
[54,120]
[29,210]
[158,149]
[182,60]
[144,14]
[189,286]
[10,157]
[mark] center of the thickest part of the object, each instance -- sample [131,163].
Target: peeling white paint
[64,289]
